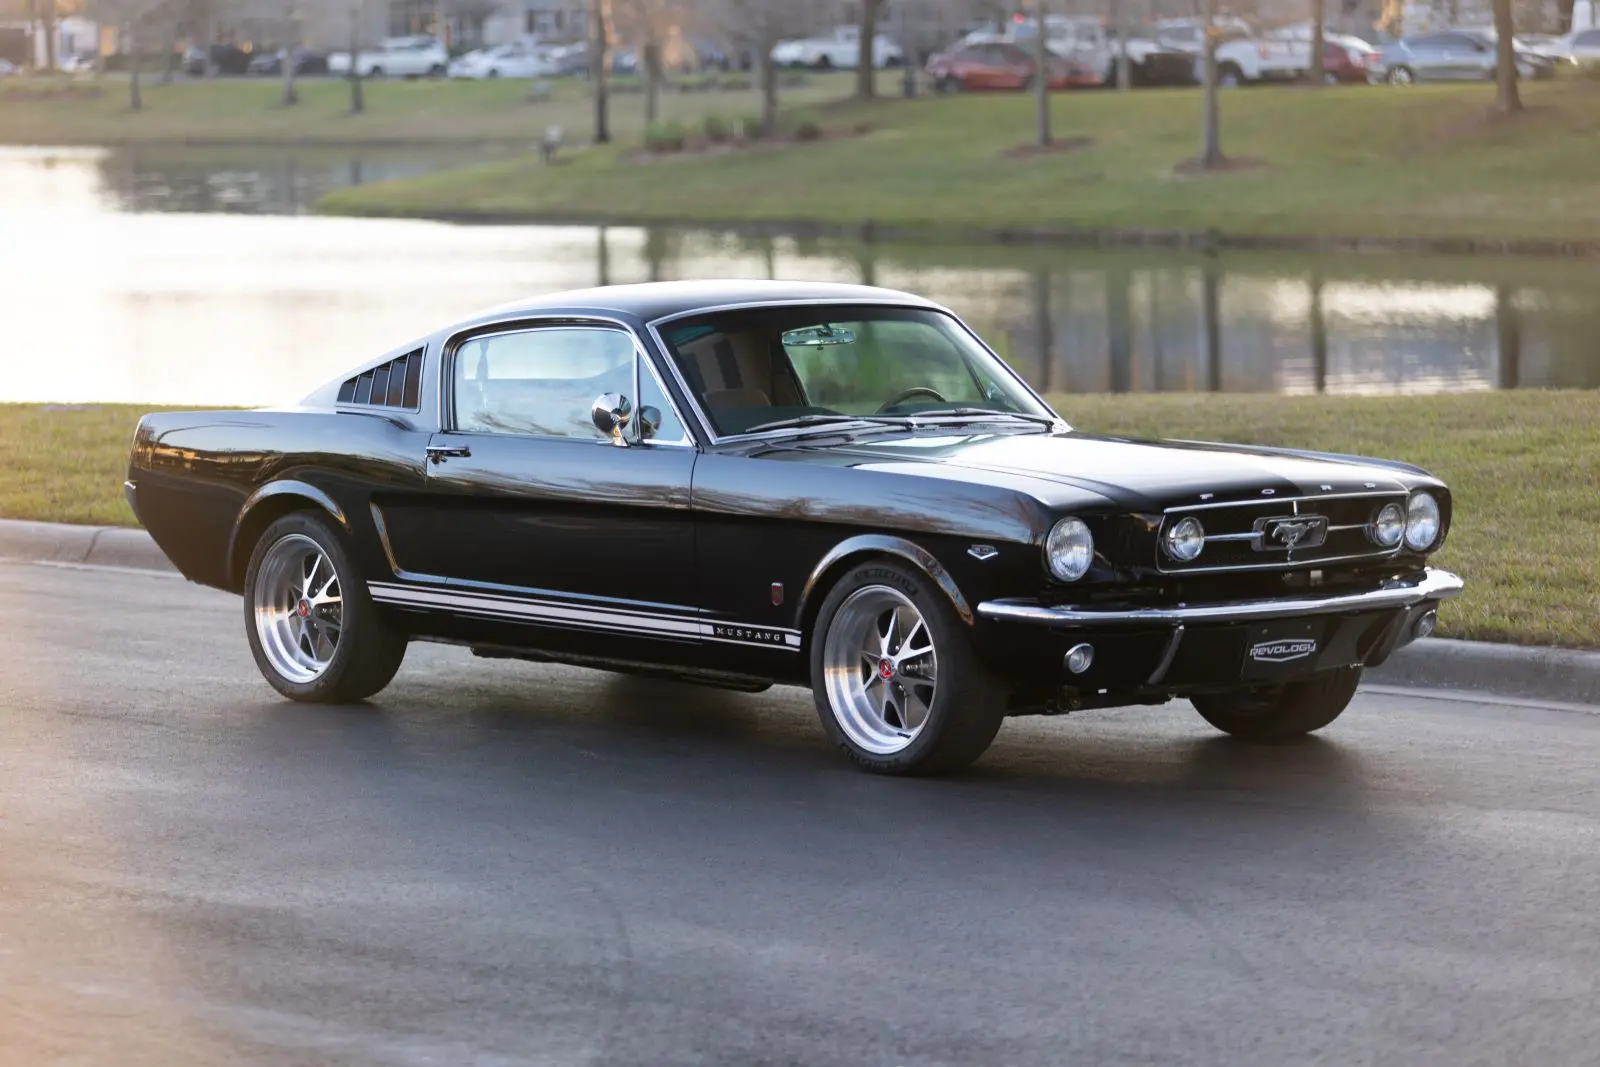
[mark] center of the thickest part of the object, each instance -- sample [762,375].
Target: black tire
[968,703]
[369,649]
[1401,75]
[1230,75]
[493,73]
[1272,713]
[436,71]
[950,84]
[375,72]
[823,63]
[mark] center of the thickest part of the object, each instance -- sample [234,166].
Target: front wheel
[1230,76]
[1273,712]
[313,629]
[898,685]
[1401,76]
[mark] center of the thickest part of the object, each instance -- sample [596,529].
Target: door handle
[440,453]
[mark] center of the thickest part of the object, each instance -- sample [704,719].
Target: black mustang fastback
[742,483]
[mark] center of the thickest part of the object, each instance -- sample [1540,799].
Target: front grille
[1288,532]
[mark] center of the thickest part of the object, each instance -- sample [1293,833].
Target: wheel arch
[267,505]
[853,550]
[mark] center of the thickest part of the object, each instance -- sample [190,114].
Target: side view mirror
[611,413]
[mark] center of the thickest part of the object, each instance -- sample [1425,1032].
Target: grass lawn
[1356,161]
[246,110]
[1521,465]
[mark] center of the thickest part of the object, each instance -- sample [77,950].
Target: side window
[1588,39]
[540,381]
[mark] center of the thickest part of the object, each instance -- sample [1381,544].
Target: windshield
[756,367]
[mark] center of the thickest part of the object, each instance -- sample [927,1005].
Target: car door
[1464,57]
[529,511]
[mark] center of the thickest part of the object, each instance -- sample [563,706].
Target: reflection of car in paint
[746,483]
[1454,55]
[997,65]
[397,57]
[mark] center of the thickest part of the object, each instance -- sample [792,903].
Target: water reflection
[143,277]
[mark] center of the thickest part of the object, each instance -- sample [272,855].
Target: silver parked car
[1453,55]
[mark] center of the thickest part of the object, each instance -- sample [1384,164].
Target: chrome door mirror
[611,413]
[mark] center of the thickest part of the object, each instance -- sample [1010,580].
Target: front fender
[876,545]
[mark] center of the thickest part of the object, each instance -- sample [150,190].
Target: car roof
[647,301]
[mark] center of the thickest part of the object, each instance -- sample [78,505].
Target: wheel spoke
[310,575]
[888,636]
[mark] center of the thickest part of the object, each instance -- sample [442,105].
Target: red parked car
[1348,59]
[999,65]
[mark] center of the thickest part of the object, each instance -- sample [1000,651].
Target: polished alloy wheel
[881,669]
[298,610]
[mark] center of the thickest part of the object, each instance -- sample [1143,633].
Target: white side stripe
[561,613]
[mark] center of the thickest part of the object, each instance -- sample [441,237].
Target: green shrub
[665,137]
[805,126]
[716,129]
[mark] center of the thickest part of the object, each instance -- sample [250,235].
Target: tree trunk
[600,69]
[210,65]
[48,16]
[291,95]
[1041,79]
[651,56]
[358,103]
[866,81]
[1124,72]
[135,101]
[908,52]
[168,46]
[1211,117]
[1318,16]
[1507,98]
[769,84]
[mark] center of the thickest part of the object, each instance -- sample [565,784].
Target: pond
[197,277]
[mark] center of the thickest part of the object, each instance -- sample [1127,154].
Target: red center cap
[885,669]
[303,609]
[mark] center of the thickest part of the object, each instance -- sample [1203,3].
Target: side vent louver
[395,384]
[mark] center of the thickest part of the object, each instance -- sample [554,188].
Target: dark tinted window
[1587,39]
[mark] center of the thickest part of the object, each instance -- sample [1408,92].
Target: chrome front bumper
[1430,585]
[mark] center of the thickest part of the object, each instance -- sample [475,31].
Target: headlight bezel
[1169,539]
[1376,523]
[1414,521]
[1056,549]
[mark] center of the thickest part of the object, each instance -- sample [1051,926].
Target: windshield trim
[654,327]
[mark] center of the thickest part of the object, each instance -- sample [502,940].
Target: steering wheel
[915,390]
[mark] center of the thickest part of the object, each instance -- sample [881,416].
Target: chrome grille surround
[1237,532]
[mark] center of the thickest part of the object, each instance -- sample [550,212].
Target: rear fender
[264,506]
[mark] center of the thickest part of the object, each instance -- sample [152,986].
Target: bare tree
[358,102]
[866,73]
[600,67]
[1120,19]
[1318,17]
[291,38]
[758,25]
[1211,117]
[1507,98]
[47,16]
[650,25]
[1041,76]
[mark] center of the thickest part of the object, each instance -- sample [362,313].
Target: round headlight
[1184,539]
[1069,549]
[1422,521]
[1388,525]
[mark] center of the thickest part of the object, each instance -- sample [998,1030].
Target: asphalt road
[500,863]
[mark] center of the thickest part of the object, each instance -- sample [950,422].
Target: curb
[1557,675]
[102,546]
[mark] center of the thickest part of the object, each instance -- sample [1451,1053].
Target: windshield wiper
[802,421]
[968,414]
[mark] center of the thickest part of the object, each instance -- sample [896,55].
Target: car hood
[1136,475]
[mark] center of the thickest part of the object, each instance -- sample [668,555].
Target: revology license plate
[1282,649]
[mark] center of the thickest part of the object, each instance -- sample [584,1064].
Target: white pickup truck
[840,49]
[1242,57]
[397,57]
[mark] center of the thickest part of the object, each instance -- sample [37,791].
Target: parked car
[7,68]
[747,483]
[515,59]
[306,61]
[1243,57]
[1581,49]
[1453,55]
[840,49]
[225,59]
[1349,60]
[397,57]
[1152,62]
[1000,65]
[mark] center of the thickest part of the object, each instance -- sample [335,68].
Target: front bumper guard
[1430,585]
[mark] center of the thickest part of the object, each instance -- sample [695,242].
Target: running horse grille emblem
[1290,532]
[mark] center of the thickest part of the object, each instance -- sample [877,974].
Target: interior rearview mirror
[611,412]
[816,336]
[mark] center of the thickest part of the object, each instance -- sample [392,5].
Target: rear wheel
[898,685]
[313,629]
[1401,76]
[1269,713]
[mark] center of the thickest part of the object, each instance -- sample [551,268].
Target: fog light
[1079,658]
[1425,624]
